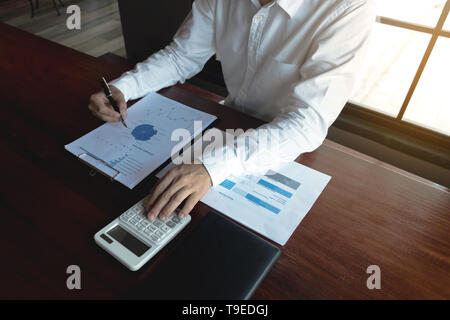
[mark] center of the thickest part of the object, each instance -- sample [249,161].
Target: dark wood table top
[369,214]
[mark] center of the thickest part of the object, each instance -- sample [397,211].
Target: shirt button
[259,18]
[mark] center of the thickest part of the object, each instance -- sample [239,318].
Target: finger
[190,203]
[147,202]
[174,202]
[100,105]
[123,108]
[160,188]
[163,200]
[97,100]
[104,117]
[107,110]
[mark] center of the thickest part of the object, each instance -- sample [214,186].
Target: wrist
[206,173]
[120,87]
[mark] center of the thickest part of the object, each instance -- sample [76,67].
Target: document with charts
[272,204]
[130,154]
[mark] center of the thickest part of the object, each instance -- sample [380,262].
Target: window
[406,73]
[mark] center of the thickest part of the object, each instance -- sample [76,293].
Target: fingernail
[182,215]
[152,216]
[163,218]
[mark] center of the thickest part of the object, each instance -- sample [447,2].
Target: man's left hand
[188,182]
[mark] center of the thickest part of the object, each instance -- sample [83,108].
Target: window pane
[430,103]
[426,12]
[391,63]
[447,23]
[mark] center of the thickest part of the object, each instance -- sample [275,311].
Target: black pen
[113,102]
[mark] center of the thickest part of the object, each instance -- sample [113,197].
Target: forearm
[257,150]
[162,69]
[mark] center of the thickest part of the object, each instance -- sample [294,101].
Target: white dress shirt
[292,63]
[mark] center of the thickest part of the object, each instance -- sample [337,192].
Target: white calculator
[133,239]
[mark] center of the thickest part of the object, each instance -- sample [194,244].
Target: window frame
[392,131]
[435,32]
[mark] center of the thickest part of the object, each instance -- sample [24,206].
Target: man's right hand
[101,108]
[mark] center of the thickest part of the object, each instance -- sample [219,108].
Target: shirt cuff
[217,172]
[220,164]
[121,84]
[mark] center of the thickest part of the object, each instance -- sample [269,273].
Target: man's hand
[101,108]
[188,182]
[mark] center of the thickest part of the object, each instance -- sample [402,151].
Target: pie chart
[144,132]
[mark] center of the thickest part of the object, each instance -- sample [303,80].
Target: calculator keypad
[155,230]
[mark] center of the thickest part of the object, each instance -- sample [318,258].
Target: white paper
[147,143]
[272,204]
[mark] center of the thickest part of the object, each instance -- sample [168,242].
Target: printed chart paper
[136,151]
[273,204]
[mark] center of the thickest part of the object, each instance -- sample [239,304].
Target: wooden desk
[370,213]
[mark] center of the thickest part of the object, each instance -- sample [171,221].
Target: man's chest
[244,32]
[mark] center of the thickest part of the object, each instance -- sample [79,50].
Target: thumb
[123,108]
[120,99]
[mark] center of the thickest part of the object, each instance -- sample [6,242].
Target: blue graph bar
[275,188]
[227,184]
[262,203]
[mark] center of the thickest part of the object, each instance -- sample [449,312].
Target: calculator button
[132,215]
[152,228]
[142,215]
[136,209]
[154,238]
[173,214]
[124,218]
[158,223]
[140,227]
[175,219]
[147,231]
[159,233]
[165,228]
[135,220]
[145,222]
[170,224]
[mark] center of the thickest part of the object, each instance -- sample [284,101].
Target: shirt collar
[289,6]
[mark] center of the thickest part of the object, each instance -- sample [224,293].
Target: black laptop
[218,259]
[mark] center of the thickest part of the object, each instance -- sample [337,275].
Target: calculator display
[128,241]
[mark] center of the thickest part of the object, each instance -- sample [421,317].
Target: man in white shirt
[292,63]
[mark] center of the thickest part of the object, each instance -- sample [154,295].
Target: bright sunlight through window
[390,82]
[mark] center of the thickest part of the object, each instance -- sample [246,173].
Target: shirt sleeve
[185,56]
[326,81]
